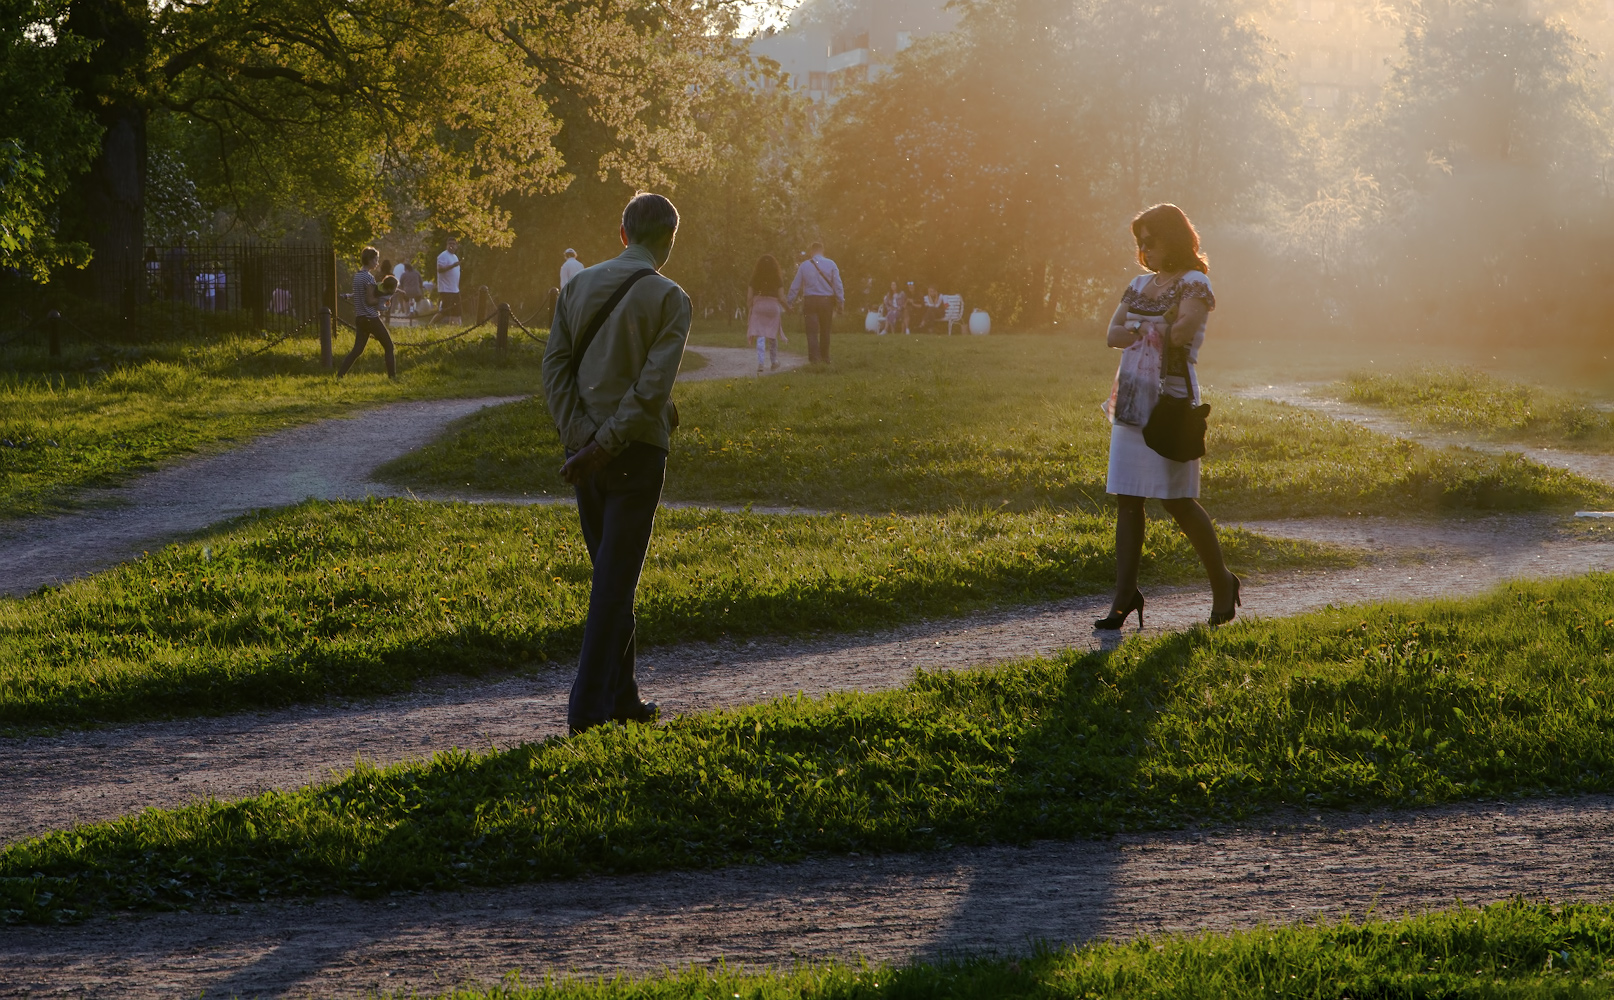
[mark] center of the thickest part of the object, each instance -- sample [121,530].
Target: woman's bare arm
[1120,336]
[1191,315]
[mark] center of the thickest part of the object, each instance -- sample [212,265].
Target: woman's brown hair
[765,278]
[1171,227]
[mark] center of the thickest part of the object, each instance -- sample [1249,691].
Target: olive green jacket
[623,389]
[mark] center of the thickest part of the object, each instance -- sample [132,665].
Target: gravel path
[1314,396]
[891,908]
[327,460]
[330,460]
[50,782]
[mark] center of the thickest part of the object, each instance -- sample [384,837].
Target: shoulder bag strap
[814,262]
[586,338]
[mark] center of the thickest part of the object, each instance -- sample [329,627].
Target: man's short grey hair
[649,218]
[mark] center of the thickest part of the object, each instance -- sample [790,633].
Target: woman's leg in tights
[1128,549]
[1196,524]
[762,350]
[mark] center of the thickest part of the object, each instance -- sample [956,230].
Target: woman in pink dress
[766,309]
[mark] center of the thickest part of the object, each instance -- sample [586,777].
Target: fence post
[53,328]
[501,339]
[325,323]
[482,300]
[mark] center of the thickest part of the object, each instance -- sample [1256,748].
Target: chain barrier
[535,338]
[269,346]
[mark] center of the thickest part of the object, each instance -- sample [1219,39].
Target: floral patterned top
[1177,366]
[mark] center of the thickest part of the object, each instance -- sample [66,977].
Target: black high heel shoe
[1118,618]
[1223,617]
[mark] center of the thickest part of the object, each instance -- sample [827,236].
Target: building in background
[1340,51]
[829,46]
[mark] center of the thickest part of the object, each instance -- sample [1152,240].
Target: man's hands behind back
[583,465]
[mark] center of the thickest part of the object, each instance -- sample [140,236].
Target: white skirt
[1137,470]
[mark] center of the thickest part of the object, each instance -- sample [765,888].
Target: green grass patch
[932,424]
[93,420]
[1472,402]
[1508,694]
[1508,950]
[364,598]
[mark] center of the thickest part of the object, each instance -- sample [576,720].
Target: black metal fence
[197,288]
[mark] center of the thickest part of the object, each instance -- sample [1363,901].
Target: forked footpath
[326,460]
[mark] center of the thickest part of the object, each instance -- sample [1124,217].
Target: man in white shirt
[818,285]
[448,282]
[569,269]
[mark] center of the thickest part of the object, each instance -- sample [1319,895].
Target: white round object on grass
[980,323]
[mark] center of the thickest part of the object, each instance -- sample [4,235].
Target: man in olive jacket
[611,400]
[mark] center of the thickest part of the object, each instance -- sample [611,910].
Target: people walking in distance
[367,303]
[569,267]
[818,285]
[765,305]
[892,310]
[614,349]
[1171,302]
[448,282]
[411,287]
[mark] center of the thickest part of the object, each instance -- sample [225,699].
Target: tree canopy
[45,140]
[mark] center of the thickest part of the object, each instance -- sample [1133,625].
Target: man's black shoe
[646,712]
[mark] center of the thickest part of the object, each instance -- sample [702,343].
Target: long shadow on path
[893,908]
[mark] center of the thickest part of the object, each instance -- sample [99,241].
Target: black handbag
[1176,427]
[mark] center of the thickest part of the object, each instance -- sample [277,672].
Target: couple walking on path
[817,285]
[614,349]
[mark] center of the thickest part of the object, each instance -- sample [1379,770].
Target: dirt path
[892,908]
[51,782]
[1315,396]
[327,460]
[736,362]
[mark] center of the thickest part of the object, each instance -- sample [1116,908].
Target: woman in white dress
[1173,299]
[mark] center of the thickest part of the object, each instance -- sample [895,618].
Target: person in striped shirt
[367,299]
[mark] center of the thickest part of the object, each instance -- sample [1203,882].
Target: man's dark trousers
[617,506]
[819,312]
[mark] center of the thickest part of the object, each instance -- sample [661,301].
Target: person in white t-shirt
[448,281]
[569,269]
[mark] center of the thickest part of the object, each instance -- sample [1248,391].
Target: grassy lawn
[94,420]
[1507,950]
[934,424]
[364,598]
[1508,694]
[1472,402]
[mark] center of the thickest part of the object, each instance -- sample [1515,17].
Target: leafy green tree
[1003,160]
[1480,85]
[364,114]
[1492,145]
[45,142]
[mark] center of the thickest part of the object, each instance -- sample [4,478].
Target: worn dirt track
[51,782]
[892,908]
[326,460]
[1317,397]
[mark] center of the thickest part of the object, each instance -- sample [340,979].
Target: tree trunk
[115,207]
[110,208]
